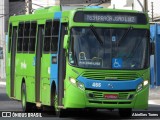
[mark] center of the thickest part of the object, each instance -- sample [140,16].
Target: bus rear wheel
[125,112]
[26,106]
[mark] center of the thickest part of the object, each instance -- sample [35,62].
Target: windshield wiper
[96,34]
[125,34]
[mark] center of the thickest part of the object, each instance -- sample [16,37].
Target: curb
[3,83]
[154,102]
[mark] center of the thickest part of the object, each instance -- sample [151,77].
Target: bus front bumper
[77,98]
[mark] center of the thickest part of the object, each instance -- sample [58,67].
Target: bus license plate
[110,96]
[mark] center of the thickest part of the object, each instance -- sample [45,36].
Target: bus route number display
[110,18]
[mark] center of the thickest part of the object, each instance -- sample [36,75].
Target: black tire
[26,106]
[91,110]
[58,111]
[61,113]
[125,112]
[54,104]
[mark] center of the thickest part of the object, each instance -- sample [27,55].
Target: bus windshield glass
[122,48]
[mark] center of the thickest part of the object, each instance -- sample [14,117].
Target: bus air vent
[110,75]
[113,102]
[100,95]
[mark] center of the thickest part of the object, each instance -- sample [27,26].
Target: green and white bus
[87,58]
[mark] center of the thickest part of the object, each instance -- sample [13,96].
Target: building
[7,8]
[3,29]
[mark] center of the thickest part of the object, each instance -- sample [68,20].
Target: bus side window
[55,33]
[20,37]
[47,37]
[26,36]
[33,30]
[9,38]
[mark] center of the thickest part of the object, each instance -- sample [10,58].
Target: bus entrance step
[61,107]
[38,104]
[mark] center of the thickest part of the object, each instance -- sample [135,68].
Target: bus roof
[48,12]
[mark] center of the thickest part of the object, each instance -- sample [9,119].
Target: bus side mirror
[65,43]
[152,48]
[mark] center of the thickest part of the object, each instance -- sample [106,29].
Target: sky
[120,4]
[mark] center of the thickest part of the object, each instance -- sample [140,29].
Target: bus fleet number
[95,84]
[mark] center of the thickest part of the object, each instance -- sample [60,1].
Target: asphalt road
[7,104]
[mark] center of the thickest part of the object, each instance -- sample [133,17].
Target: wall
[16,8]
[4,11]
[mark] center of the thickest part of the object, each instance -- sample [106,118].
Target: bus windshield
[122,48]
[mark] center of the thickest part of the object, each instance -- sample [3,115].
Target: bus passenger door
[12,61]
[38,62]
[46,64]
[49,63]
[61,65]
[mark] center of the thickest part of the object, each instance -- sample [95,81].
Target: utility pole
[28,6]
[152,10]
[132,6]
[145,5]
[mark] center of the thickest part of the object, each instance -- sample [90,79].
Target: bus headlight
[145,82]
[139,88]
[80,86]
[72,80]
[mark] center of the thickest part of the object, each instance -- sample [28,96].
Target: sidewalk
[2,82]
[2,79]
[154,95]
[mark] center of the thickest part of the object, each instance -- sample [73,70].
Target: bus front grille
[100,95]
[101,75]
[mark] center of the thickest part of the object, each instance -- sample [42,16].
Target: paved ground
[7,104]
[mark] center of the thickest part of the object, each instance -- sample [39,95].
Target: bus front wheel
[26,106]
[125,112]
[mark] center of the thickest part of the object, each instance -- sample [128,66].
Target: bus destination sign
[110,17]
